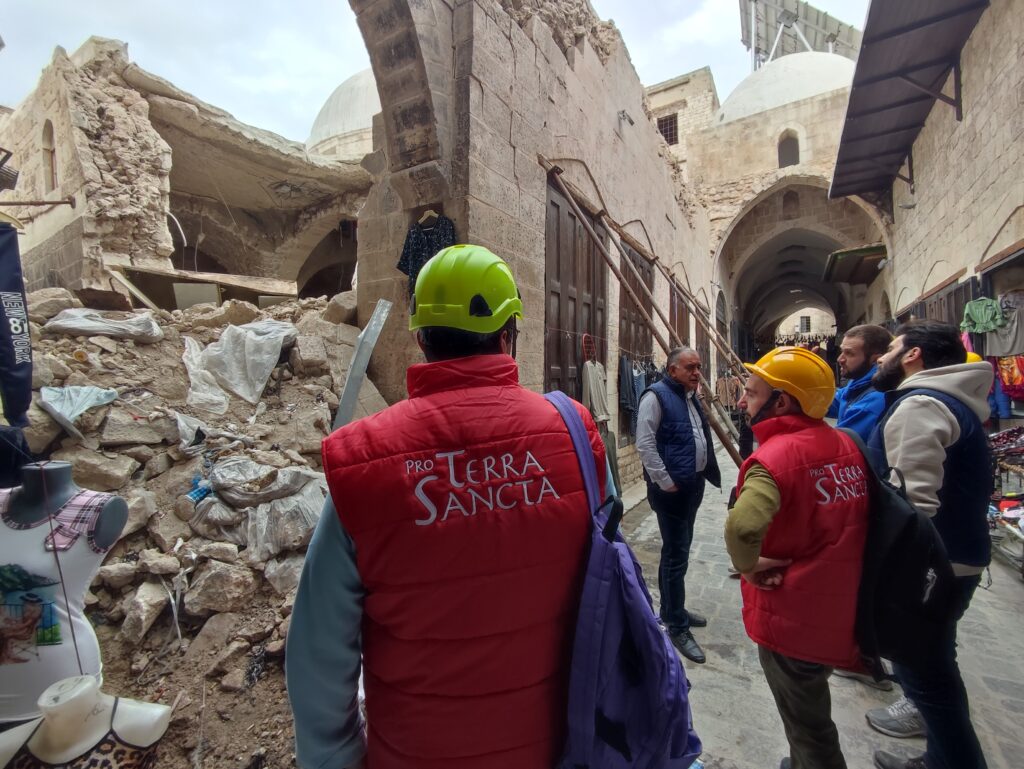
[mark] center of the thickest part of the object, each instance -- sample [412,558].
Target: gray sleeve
[324,653]
[647,422]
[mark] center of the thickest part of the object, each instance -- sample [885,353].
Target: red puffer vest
[470,523]
[821,525]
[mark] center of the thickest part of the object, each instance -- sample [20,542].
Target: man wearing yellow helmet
[451,574]
[796,533]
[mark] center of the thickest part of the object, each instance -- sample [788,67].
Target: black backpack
[905,607]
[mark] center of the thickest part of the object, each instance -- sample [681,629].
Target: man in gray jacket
[932,434]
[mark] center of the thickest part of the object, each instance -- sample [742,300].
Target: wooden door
[576,283]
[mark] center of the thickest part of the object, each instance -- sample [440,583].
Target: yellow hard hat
[973,357]
[465,287]
[800,373]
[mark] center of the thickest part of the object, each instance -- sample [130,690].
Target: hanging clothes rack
[725,436]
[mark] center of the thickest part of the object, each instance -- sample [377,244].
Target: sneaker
[885,685]
[884,760]
[901,719]
[696,620]
[688,646]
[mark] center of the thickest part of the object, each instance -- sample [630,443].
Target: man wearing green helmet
[451,574]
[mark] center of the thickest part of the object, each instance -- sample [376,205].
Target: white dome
[350,108]
[785,80]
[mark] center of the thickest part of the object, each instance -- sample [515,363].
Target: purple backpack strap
[581,442]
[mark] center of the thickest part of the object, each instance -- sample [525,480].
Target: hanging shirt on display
[595,391]
[422,243]
[1009,339]
[38,629]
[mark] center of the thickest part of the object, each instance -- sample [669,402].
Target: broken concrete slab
[233,312]
[213,637]
[41,430]
[309,356]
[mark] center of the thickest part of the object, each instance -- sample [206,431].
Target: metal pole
[724,436]
[68,201]
[775,45]
[713,397]
[754,35]
[800,34]
[360,360]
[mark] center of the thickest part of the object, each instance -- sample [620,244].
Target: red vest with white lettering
[821,525]
[470,523]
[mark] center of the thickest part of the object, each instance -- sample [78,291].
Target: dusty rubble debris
[197,593]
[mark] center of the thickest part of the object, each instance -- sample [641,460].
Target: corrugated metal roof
[909,47]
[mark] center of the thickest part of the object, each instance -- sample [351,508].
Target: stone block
[220,587]
[118,575]
[154,562]
[342,309]
[48,302]
[283,572]
[96,471]
[141,507]
[121,428]
[41,430]
[165,529]
[230,657]
[309,356]
[213,637]
[142,610]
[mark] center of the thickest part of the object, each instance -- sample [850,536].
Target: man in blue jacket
[858,406]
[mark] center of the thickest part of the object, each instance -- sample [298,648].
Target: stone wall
[517,94]
[693,99]
[968,202]
[56,261]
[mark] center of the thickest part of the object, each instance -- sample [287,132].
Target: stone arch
[411,48]
[931,271]
[886,306]
[774,183]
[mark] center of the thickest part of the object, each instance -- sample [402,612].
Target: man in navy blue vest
[932,434]
[674,443]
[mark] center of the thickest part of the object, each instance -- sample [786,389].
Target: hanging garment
[111,752]
[627,395]
[982,315]
[1011,374]
[1011,300]
[595,391]
[36,622]
[1009,339]
[639,379]
[15,342]
[421,244]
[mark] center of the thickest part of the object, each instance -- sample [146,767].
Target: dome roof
[350,108]
[785,80]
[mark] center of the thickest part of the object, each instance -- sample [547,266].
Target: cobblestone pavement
[734,713]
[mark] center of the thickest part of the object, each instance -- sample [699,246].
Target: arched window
[789,149]
[49,158]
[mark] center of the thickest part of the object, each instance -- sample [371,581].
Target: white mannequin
[77,716]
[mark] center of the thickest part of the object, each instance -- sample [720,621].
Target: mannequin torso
[81,723]
[46,487]
[53,537]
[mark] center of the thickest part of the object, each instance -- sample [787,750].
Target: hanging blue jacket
[858,406]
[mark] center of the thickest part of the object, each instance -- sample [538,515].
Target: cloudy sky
[273,64]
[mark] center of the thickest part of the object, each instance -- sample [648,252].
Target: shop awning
[858,266]
[908,51]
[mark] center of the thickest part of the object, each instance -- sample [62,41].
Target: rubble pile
[208,422]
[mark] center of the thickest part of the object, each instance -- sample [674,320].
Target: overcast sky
[273,64]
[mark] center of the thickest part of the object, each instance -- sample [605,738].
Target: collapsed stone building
[478,110]
[866,176]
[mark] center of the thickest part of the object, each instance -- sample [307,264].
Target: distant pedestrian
[796,533]
[674,442]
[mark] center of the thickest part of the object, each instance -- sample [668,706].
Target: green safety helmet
[465,287]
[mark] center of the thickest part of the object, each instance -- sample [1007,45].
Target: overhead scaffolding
[717,417]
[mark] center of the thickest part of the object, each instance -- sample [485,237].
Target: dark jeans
[676,513]
[939,694]
[802,696]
